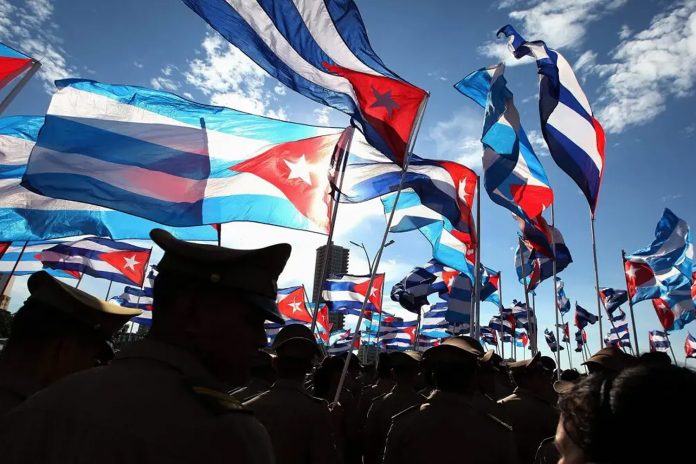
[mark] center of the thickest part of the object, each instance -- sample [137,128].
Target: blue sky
[636,60]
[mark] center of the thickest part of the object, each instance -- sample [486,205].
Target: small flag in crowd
[538,266]
[412,292]
[12,64]
[291,304]
[690,346]
[551,341]
[504,326]
[612,298]
[99,257]
[345,293]
[490,282]
[489,335]
[521,338]
[566,333]
[574,137]
[583,317]
[139,298]
[659,341]
[580,340]
[561,299]
[618,333]
[325,56]
[520,314]
[340,342]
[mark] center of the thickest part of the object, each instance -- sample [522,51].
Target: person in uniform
[163,399]
[299,424]
[383,385]
[58,331]
[449,426]
[262,377]
[404,368]
[532,414]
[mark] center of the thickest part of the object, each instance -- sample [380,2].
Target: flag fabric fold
[583,317]
[345,293]
[12,64]
[561,299]
[658,341]
[690,346]
[552,342]
[612,298]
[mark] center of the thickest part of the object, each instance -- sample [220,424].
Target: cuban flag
[444,276]
[551,341]
[566,333]
[672,247]
[504,325]
[291,304]
[574,137]
[443,186]
[459,302]
[425,343]
[583,317]
[321,50]
[490,283]
[340,342]
[100,257]
[156,155]
[561,299]
[27,260]
[139,298]
[345,293]
[489,336]
[434,322]
[535,267]
[618,336]
[412,292]
[659,341]
[612,298]
[580,340]
[513,176]
[521,314]
[451,247]
[521,338]
[25,215]
[12,64]
[675,309]
[690,346]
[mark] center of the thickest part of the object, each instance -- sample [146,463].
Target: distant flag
[12,64]
[574,137]
[444,276]
[675,309]
[520,313]
[583,317]
[345,293]
[28,262]
[561,299]
[513,176]
[413,290]
[340,342]
[566,333]
[459,302]
[291,304]
[580,340]
[140,298]
[538,267]
[618,336]
[425,342]
[659,341]
[489,335]
[434,323]
[99,257]
[156,155]
[612,298]
[506,338]
[521,338]
[490,283]
[690,346]
[551,341]
[504,325]
[323,52]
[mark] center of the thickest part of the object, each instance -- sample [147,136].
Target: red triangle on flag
[292,306]
[375,292]
[131,264]
[300,170]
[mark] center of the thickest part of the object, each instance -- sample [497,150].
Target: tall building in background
[337,264]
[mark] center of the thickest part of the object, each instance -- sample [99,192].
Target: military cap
[610,358]
[408,358]
[548,363]
[253,272]
[454,348]
[98,315]
[296,340]
[533,363]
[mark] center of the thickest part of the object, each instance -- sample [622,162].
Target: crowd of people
[203,386]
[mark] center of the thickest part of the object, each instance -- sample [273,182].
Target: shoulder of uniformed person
[216,401]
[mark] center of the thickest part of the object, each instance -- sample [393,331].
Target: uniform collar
[177,358]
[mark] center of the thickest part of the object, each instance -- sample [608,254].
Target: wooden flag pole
[378,257]
[555,290]
[476,320]
[14,268]
[596,274]
[500,307]
[342,162]
[35,65]
[630,302]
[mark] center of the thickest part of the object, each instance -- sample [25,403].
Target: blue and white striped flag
[561,299]
[139,298]
[659,341]
[29,260]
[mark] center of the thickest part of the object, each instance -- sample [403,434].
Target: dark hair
[37,323]
[289,367]
[605,414]
[454,376]
[383,366]
[570,375]
[655,358]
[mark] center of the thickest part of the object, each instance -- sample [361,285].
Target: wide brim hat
[296,340]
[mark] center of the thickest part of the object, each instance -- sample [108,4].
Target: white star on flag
[631,272]
[299,170]
[131,263]
[295,306]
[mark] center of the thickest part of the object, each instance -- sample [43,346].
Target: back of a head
[454,376]
[383,366]
[655,358]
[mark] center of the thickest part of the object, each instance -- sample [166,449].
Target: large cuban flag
[158,156]
[25,215]
[21,258]
[12,64]
[321,50]
[292,305]
[513,176]
[574,137]
[345,293]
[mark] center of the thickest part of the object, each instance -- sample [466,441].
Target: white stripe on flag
[569,80]
[16,196]
[578,129]
[14,150]
[96,264]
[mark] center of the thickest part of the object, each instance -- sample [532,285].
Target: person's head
[605,409]
[60,330]
[530,374]
[570,375]
[453,364]
[262,367]
[296,350]
[213,302]
[405,367]
[609,360]
[383,366]
[655,358]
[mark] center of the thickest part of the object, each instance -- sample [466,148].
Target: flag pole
[418,328]
[630,302]
[35,65]
[108,290]
[343,161]
[532,332]
[555,289]
[613,326]
[378,256]
[596,274]
[670,347]
[567,343]
[79,280]
[475,326]
[14,268]
[219,234]
[500,306]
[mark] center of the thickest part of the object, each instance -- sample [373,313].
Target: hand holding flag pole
[378,257]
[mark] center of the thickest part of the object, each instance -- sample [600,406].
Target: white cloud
[536,138]
[159,83]
[625,32]
[458,139]
[587,60]
[561,23]
[650,67]
[280,89]
[500,52]
[29,28]
[322,115]
[138,64]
